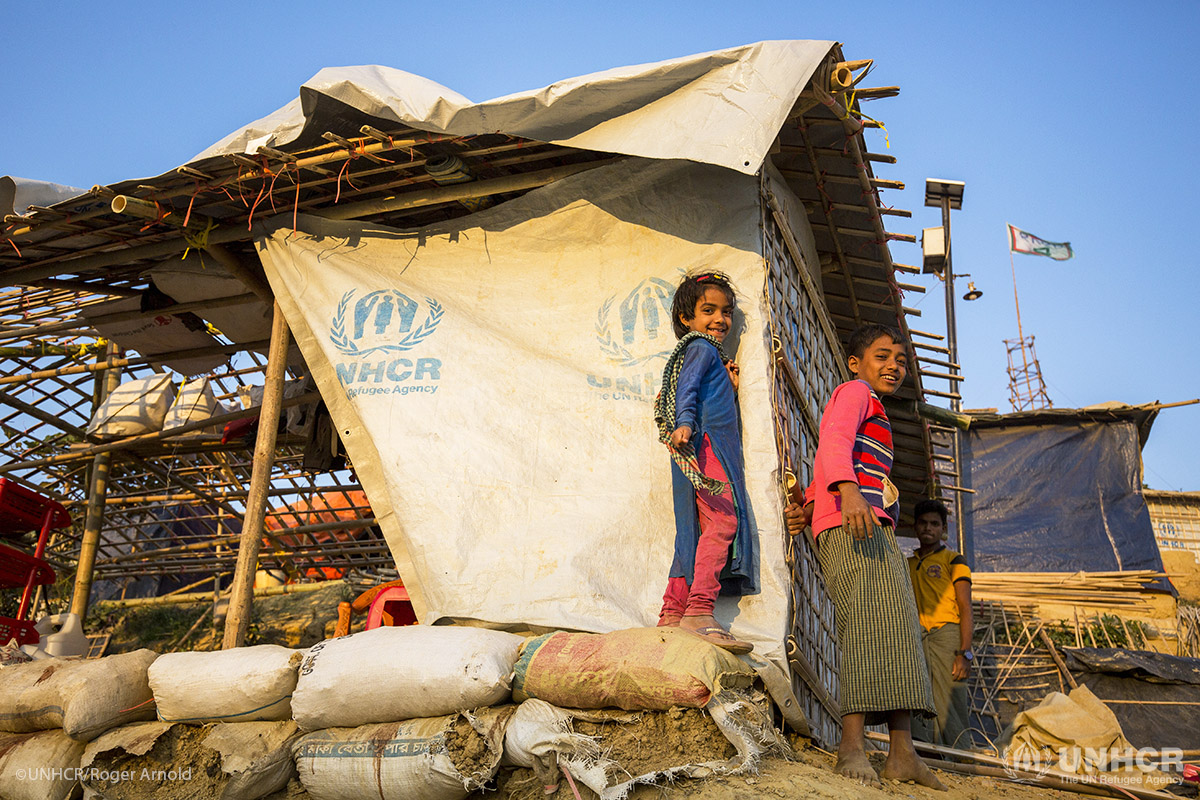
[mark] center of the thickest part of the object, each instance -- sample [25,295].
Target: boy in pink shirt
[853,507]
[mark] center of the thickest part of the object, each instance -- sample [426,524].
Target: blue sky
[1069,120]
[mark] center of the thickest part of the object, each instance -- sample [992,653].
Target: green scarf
[664,415]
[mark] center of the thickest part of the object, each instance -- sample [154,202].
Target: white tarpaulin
[725,107]
[492,379]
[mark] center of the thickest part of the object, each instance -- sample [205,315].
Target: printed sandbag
[239,685]
[177,761]
[135,407]
[444,758]
[39,766]
[84,698]
[194,403]
[389,674]
[636,669]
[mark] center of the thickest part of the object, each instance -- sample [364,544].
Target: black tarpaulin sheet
[1155,697]
[1057,497]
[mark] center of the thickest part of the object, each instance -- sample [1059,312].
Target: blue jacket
[706,403]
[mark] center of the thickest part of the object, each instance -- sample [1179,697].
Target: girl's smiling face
[713,314]
[883,365]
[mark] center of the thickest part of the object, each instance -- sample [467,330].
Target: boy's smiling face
[713,314]
[882,365]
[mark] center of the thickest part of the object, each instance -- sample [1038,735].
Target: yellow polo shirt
[933,579]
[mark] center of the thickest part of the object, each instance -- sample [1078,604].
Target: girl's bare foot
[854,764]
[906,765]
[669,620]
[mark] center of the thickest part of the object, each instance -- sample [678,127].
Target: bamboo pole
[107,381]
[208,545]
[242,596]
[207,597]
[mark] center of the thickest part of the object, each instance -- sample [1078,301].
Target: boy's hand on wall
[857,514]
[734,370]
[680,436]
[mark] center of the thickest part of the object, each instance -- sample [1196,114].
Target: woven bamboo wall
[806,373]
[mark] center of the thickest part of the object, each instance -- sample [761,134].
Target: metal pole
[107,381]
[241,599]
[955,386]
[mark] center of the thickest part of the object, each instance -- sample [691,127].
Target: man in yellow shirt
[941,580]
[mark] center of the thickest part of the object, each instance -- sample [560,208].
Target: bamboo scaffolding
[207,597]
[124,444]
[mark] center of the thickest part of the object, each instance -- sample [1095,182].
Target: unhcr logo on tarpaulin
[632,334]
[382,323]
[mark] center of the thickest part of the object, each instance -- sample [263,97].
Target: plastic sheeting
[1157,695]
[492,379]
[1057,497]
[725,107]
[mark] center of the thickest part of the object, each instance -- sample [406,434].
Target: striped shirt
[855,444]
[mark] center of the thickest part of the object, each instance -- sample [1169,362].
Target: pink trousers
[718,525]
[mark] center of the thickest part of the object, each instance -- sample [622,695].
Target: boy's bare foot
[854,764]
[707,628]
[669,620]
[907,766]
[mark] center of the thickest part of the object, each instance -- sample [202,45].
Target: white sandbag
[136,406]
[257,757]
[84,698]
[155,758]
[389,674]
[39,766]
[543,737]
[444,758]
[238,685]
[194,403]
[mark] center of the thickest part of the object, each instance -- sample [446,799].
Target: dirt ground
[679,736]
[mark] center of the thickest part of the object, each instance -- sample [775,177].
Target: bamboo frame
[237,621]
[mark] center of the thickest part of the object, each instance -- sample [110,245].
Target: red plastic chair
[22,511]
[391,607]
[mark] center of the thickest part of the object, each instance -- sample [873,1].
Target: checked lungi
[882,665]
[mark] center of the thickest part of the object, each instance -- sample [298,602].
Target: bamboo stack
[1189,631]
[1126,591]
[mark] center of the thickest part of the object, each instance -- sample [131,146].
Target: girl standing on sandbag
[853,507]
[697,417]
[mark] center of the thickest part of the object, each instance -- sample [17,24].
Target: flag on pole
[1021,242]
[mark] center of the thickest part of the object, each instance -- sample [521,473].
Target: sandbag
[389,674]
[165,760]
[194,403]
[135,407]
[238,685]
[444,758]
[84,698]
[610,751]
[635,669]
[39,766]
